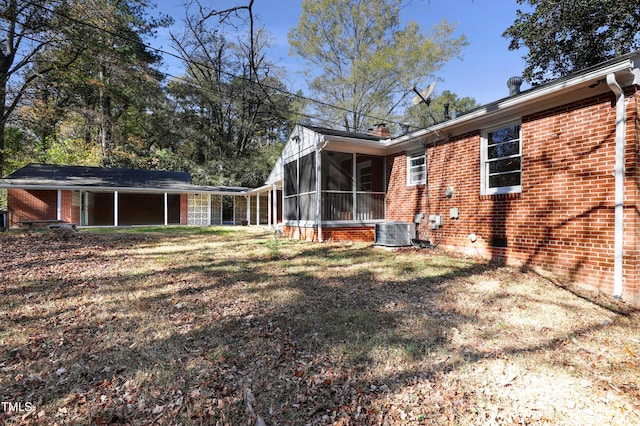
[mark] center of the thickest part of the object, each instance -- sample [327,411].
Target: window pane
[507,165]
[337,170]
[308,173]
[504,149]
[291,208]
[504,135]
[507,179]
[417,176]
[290,178]
[417,169]
[417,161]
[308,207]
[369,173]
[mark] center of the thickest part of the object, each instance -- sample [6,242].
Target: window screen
[337,171]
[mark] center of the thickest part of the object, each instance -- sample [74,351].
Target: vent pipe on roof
[514,84]
[446,112]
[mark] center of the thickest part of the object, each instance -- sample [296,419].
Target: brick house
[95,196]
[546,178]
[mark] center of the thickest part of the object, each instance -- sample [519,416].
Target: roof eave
[556,91]
[151,190]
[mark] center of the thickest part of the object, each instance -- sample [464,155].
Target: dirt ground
[233,326]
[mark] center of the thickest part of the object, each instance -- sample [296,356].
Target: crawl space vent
[395,234]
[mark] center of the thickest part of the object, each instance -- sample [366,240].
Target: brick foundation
[347,233]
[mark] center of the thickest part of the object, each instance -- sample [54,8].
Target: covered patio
[93,196]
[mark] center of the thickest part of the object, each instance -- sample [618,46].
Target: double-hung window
[416,168]
[502,160]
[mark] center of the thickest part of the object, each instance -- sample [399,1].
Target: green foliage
[361,59]
[420,116]
[566,36]
[99,99]
[230,108]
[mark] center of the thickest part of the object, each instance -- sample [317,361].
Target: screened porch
[352,188]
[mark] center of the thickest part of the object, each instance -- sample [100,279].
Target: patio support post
[319,192]
[166,209]
[115,208]
[354,188]
[248,198]
[274,207]
[269,203]
[59,207]
[209,209]
[258,209]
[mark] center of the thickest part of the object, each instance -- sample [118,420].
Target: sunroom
[346,169]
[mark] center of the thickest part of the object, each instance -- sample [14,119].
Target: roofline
[625,64]
[125,189]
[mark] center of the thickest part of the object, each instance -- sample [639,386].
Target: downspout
[621,121]
[320,146]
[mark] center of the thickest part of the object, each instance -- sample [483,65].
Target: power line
[207,66]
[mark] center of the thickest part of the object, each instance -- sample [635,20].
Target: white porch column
[166,209]
[269,203]
[115,208]
[248,197]
[275,205]
[221,210]
[258,209]
[59,207]
[209,209]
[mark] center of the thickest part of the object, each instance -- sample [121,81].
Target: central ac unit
[395,234]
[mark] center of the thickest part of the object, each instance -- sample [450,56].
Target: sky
[481,73]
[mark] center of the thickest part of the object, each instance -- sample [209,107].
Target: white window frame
[484,161]
[410,168]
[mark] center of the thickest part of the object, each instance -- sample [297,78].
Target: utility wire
[208,66]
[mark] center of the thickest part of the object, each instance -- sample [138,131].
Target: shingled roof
[49,176]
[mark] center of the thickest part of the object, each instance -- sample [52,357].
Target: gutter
[127,189]
[621,121]
[526,99]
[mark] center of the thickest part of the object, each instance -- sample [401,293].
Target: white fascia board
[203,190]
[261,189]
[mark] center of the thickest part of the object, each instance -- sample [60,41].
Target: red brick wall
[66,207]
[632,197]
[347,233]
[300,233]
[26,205]
[184,209]
[562,222]
[403,201]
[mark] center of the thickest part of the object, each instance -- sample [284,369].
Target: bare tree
[25,30]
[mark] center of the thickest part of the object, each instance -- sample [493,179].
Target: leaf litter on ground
[203,325]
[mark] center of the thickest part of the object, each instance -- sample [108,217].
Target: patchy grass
[171,326]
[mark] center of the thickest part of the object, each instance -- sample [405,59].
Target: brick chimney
[380,130]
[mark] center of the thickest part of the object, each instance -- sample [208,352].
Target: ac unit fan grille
[395,234]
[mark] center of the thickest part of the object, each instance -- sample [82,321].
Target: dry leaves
[207,326]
